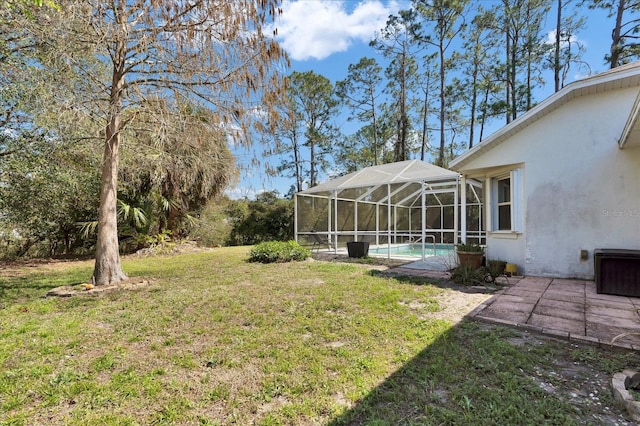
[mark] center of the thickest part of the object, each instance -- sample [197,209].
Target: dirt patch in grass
[456,304]
[572,376]
[91,290]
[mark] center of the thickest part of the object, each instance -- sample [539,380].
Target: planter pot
[472,259]
[358,248]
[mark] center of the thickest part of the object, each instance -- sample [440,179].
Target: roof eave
[631,126]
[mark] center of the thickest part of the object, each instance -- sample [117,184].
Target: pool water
[415,250]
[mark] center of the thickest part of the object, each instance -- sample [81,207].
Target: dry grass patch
[217,340]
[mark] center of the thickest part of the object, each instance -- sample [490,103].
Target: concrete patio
[569,309]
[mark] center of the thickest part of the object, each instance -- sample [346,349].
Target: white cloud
[573,39]
[578,45]
[319,28]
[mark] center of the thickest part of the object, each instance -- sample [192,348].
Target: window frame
[515,202]
[499,191]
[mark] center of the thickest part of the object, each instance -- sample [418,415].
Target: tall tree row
[461,65]
[361,93]
[440,23]
[395,42]
[310,127]
[521,22]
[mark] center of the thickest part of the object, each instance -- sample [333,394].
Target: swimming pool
[414,250]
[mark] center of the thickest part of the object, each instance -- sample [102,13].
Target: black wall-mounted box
[617,271]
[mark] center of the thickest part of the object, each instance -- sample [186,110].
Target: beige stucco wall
[580,190]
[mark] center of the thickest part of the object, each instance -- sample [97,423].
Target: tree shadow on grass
[438,282]
[409,279]
[20,289]
[477,373]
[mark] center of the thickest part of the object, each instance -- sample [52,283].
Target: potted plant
[470,254]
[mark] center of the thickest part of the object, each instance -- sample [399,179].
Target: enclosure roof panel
[400,172]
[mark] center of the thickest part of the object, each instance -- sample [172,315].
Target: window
[505,202]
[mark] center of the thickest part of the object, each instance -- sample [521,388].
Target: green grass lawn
[216,340]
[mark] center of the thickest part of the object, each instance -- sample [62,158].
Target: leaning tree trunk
[107,269]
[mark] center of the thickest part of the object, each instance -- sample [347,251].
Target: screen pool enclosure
[407,202]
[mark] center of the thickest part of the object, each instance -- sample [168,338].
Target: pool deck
[561,308]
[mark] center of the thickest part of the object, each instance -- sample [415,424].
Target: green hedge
[278,251]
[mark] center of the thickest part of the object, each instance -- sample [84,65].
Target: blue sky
[327,35]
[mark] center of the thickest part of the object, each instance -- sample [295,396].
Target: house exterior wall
[580,191]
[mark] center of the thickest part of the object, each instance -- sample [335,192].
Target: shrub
[268,218]
[158,244]
[467,275]
[278,251]
[213,227]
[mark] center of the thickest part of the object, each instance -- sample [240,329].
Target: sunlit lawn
[216,340]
